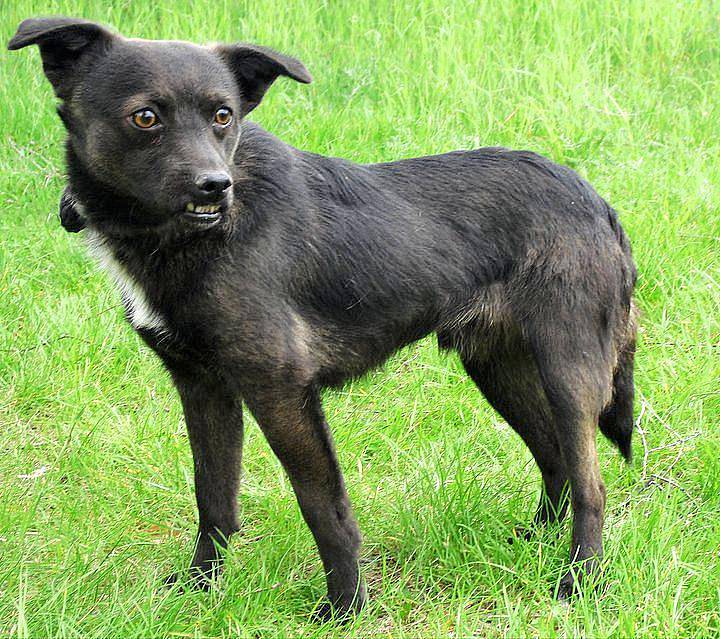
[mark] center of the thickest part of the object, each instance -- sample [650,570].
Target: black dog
[262,274]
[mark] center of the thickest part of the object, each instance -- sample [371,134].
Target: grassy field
[96,500]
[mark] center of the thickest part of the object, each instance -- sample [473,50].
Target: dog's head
[154,123]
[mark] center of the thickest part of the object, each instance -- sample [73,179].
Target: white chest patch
[139,310]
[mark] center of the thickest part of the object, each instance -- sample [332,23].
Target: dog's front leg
[294,425]
[213,414]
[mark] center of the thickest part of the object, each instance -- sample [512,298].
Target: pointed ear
[62,42]
[256,68]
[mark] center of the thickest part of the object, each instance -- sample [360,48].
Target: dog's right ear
[62,42]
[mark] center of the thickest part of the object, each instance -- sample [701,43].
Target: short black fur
[310,271]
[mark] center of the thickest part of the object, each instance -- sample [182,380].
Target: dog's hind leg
[510,382]
[293,422]
[576,376]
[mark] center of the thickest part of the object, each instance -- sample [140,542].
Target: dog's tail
[616,421]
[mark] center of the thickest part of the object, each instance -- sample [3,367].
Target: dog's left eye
[223,116]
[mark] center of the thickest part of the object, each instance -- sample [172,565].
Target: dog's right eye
[145,119]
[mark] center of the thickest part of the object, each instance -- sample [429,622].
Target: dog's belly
[476,322]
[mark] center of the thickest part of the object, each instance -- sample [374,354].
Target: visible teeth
[209,208]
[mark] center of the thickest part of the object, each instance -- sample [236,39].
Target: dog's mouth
[203,213]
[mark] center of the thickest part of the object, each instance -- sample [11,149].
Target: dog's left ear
[256,68]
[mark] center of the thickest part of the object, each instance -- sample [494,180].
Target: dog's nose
[213,183]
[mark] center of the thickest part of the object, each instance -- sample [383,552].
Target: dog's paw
[71,212]
[173,581]
[583,576]
[566,589]
[521,533]
[342,611]
[329,613]
[193,579]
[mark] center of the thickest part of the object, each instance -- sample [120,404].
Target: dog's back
[474,245]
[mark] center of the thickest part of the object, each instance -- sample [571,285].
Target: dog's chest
[139,310]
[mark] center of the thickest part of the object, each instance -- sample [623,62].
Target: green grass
[96,501]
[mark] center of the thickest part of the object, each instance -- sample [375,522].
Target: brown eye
[223,116]
[145,119]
